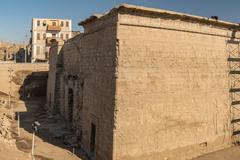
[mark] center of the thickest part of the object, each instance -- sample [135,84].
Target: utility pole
[10,70]
[33,142]
[15,57]
[12,112]
[18,124]
[25,49]
[35,125]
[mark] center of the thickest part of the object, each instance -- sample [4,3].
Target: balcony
[49,41]
[53,28]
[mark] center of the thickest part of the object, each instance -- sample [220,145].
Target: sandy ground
[10,152]
[48,144]
[232,153]
[19,148]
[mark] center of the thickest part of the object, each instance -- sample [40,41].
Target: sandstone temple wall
[172,88]
[153,84]
[87,85]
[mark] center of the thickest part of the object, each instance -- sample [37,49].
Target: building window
[50,100]
[53,35]
[61,35]
[44,36]
[44,23]
[70,104]
[67,24]
[46,55]
[38,50]
[38,36]
[38,23]
[54,23]
[67,36]
[62,23]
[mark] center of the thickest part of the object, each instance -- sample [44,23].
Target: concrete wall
[22,73]
[172,88]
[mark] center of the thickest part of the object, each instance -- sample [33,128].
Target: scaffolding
[233,50]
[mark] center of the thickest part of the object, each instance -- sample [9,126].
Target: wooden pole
[33,143]
[73,151]
[18,124]
[9,93]
[10,90]
[12,112]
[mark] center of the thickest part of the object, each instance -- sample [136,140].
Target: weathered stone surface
[88,69]
[11,51]
[168,90]
[155,84]
[26,79]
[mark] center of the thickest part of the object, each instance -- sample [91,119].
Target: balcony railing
[53,28]
[49,41]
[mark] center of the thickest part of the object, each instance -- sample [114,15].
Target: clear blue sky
[16,15]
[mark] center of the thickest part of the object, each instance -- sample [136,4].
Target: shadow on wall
[20,56]
[33,93]
[34,86]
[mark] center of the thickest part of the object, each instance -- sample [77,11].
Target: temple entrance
[93,138]
[70,104]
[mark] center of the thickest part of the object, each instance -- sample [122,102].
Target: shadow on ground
[53,129]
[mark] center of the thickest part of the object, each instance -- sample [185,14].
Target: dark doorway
[93,138]
[50,100]
[70,104]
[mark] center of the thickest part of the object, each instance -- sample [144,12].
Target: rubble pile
[3,99]
[3,102]
[10,51]
[5,128]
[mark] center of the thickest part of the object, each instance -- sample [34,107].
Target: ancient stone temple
[143,83]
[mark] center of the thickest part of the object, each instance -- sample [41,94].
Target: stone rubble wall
[9,50]
[22,74]
[6,130]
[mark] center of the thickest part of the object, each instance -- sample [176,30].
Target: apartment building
[44,32]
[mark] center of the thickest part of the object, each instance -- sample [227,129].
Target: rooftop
[156,11]
[51,19]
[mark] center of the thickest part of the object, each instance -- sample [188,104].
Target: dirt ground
[232,153]
[54,138]
[49,141]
